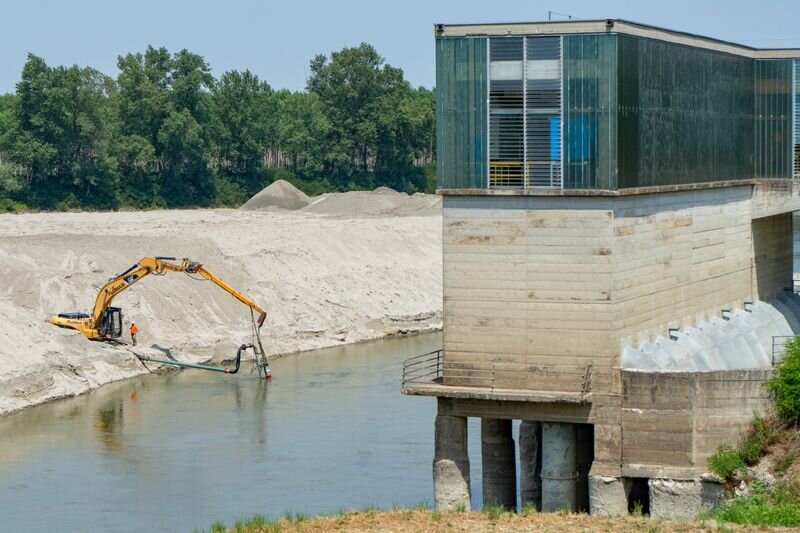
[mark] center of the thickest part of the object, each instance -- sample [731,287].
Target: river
[176,452]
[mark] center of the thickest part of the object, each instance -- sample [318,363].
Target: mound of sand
[324,281]
[380,202]
[280,194]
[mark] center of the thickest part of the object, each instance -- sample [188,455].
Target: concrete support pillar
[530,463]
[451,464]
[499,463]
[559,467]
[607,496]
[675,499]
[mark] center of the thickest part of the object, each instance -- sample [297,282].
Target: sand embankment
[324,280]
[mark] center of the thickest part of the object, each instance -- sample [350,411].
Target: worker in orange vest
[134,331]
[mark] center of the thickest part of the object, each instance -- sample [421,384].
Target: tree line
[167,133]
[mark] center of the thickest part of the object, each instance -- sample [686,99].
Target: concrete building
[618,207]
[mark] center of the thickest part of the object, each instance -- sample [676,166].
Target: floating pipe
[198,366]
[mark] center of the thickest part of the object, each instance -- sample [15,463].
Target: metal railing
[778,342]
[423,368]
[430,368]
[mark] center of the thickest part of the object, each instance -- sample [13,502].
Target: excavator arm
[199,269]
[97,326]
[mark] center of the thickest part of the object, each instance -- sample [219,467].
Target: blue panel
[555,139]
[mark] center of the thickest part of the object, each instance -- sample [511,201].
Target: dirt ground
[412,521]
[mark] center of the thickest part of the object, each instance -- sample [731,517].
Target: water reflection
[331,431]
[108,421]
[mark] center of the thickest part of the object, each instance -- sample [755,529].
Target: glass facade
[461,113]
[590,111]
[685,114]
[626,112]
[773,118]
[796,121]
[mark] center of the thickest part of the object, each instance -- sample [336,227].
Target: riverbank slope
[324,280]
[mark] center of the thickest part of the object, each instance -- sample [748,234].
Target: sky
[276,40]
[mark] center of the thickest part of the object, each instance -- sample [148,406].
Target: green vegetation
[725,462]
[493,512]
[167,133]
[785,385]
[762,433]
[779,507]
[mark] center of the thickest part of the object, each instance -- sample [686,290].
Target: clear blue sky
[276,40]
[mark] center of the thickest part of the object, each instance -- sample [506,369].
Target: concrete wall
[541,292]
[772,255]
[526,292]
[672,422]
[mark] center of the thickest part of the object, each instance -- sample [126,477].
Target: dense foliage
[786,383]
[167,133]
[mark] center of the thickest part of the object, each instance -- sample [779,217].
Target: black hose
[241,349]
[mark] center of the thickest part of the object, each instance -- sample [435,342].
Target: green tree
[302,131]
[245,123]
[355,87]
[187,180]
[62,137]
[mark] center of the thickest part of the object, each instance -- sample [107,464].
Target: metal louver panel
[525,112]
[543,111]
[506,107]
[796,118]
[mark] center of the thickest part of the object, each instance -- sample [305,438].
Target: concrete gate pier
[499,463]
[451,464]
[559,467]
[530,463]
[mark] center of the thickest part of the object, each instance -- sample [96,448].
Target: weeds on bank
[493,512]
[763,433]
[528,509]
[777,508]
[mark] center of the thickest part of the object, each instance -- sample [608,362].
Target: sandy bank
[323,280]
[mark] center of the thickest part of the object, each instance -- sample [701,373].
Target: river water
[181,451]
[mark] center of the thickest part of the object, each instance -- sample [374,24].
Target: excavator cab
[111,323]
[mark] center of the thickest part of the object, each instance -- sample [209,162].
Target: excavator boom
[105,322]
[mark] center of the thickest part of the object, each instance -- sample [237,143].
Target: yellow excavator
[105,322]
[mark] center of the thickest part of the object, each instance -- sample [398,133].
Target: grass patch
[785,464]
[493,512]
[217,527]
[725,462]
[460,508]
[760,509]
[758,438]
[528,509]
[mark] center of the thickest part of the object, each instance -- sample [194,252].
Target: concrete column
[499,463]
[675,499]
[559,467]
[607,496]
[530,463]
[451,464]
